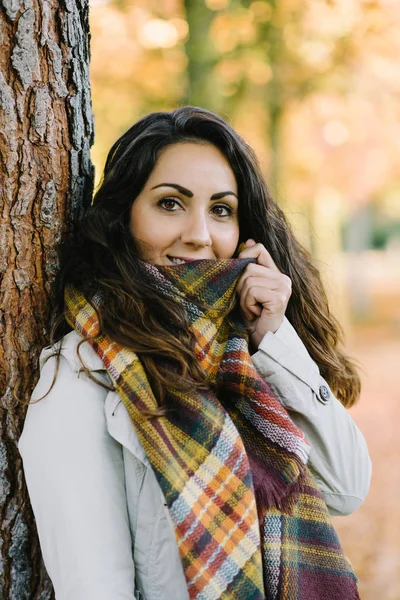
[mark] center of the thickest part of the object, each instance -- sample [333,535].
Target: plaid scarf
[250,522]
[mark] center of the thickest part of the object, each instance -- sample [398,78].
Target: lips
[180,260]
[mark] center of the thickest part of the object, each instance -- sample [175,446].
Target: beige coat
[103,526]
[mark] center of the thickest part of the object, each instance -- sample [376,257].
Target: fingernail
[250,243]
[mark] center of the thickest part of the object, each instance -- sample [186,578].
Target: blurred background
[314,87]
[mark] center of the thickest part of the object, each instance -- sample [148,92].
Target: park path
[371,536]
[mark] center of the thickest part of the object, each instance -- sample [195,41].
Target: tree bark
[272,36]
[201,55]
[46,130]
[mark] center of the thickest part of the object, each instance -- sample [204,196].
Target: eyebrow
[189,194]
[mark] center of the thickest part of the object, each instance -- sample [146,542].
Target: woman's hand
[264,292]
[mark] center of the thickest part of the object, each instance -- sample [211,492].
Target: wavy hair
[103,258]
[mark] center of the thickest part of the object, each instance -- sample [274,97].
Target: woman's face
[188,209]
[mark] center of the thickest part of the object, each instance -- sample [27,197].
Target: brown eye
[168,204]
[221,210]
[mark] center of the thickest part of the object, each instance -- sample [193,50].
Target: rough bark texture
[46,129]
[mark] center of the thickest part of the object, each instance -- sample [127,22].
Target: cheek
[142,231]
[226,241]
[143,227]
[149,231]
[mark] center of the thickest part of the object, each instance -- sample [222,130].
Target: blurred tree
[138,65]
[235,49]
[46,178]
[271,37]
[201,54]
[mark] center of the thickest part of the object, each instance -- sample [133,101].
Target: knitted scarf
[250,522]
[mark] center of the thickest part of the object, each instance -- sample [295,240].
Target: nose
[196,231]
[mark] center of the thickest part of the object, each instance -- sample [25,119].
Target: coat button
[324,393]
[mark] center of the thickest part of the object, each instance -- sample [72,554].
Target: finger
[263,275]
[259,292]
[243,245]
[250,304]
[249,313]
[259,252]
[250,307]
[272,280]
[272,299]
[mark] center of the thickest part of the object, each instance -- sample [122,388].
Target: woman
[162,463]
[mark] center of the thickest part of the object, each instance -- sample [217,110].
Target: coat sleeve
[75,478]
[339,458]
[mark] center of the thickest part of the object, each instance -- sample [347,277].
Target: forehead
[190,163]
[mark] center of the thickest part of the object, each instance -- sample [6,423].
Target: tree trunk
[272,34]
[46,130]
[201,55]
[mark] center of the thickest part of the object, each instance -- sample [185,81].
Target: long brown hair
[103,258]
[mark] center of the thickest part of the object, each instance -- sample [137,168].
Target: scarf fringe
[272,491]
